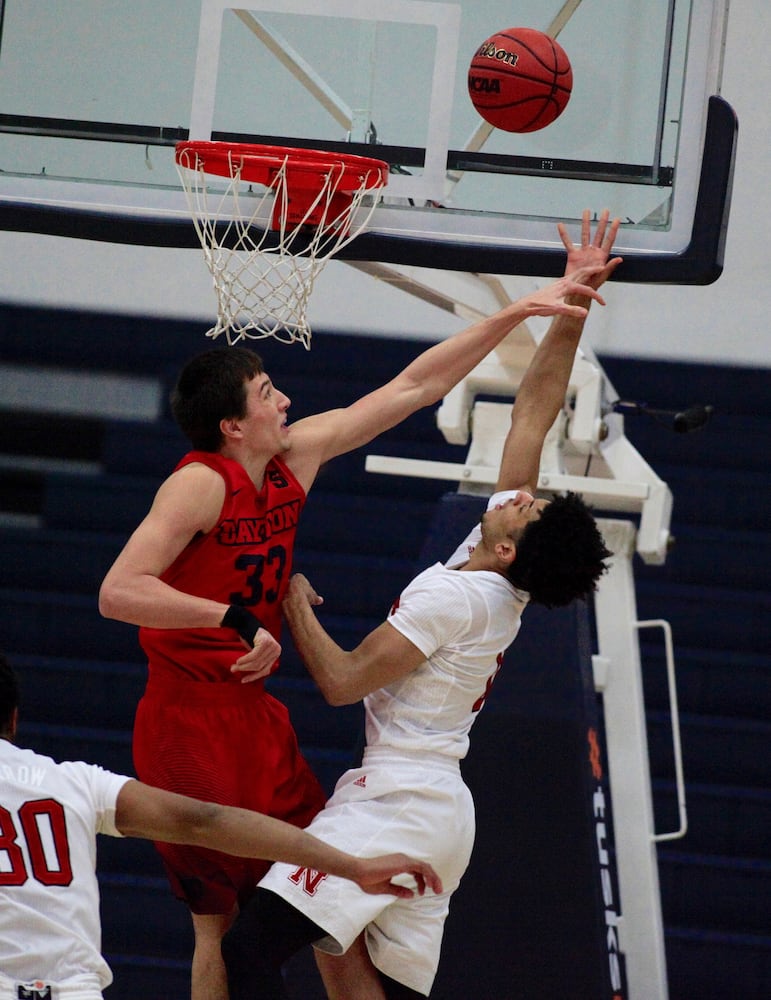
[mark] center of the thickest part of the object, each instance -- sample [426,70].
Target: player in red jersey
[204,575]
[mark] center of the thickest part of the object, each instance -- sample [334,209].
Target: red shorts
[226,743]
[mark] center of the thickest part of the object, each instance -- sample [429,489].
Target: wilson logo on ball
[488,51]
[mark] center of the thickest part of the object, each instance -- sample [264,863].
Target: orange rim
[259,164]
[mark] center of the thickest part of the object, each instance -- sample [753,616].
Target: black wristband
[244,622]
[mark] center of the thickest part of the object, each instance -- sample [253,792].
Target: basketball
[520,80]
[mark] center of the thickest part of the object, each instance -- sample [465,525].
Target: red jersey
[246,559]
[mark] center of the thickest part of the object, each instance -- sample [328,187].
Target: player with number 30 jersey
[49,817]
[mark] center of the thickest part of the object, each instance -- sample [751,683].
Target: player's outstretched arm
[155,814]
[542,391]
[429,377]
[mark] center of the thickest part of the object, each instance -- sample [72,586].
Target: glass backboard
[96,93]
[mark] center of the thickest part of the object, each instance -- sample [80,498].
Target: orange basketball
[520,80]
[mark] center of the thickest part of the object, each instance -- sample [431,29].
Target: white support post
[640,928]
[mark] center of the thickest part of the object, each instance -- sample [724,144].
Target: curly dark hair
[210,388]
[560,555]
[9,694]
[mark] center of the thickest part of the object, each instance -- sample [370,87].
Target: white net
[263,266]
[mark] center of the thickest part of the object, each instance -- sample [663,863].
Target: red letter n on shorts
[309,878]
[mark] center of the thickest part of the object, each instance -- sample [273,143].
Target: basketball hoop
[265,248]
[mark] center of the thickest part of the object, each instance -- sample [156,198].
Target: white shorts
[82,988]
[394,802]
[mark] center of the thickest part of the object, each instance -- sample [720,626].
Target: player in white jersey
[424,675]
[50,813]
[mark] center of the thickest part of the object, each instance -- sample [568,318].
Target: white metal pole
[640,928]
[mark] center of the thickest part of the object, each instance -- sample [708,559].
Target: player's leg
[351,976]
[208,980]
[169,752]
[264,935]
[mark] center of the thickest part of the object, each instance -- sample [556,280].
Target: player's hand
[301,591]
[552,300]
[374,876]
[261,660]
[593,251]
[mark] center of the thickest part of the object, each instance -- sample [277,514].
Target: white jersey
[50,814]
[462,622]
[409,795]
